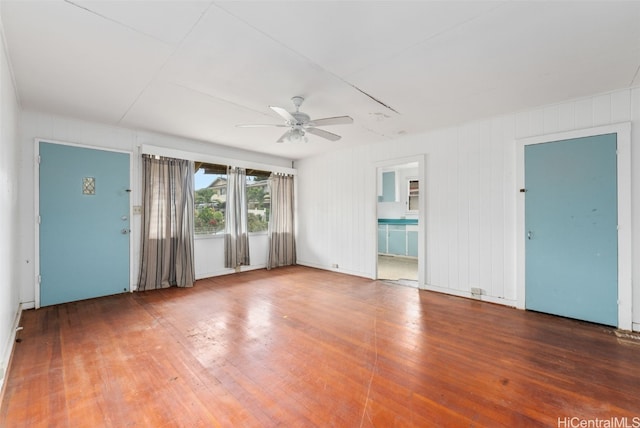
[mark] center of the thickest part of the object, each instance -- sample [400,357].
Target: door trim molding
[623,132]
[36,207]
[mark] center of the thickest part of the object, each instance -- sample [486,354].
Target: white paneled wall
[9,217]
[635,202]
[334,226]
[470,193]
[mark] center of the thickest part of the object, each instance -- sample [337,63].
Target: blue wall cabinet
[388,187]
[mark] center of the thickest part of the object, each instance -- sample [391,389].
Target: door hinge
[39,220]
[39,159]
[39,279]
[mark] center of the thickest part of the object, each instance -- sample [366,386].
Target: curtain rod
[200,157]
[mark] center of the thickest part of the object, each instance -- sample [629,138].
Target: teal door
[571,229]
[84,223]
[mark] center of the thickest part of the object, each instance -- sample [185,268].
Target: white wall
[635,204]
[470,196]
[9,190]
[209,255]
[55,128]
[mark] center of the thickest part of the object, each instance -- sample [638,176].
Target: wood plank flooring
[298,347]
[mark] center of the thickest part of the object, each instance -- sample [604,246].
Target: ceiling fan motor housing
[301,118]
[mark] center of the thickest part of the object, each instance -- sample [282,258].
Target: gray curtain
[282,244]
[236,233]
[166,256]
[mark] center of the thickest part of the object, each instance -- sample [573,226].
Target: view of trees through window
[211,198]
[258,200]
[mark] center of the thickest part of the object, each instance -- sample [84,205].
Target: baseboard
[628,337]
[252,267]
[459,293]
[225,271]
[334,269]
[469,295]
[7,353]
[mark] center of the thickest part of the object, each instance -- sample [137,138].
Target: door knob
[125,231]
[529,234]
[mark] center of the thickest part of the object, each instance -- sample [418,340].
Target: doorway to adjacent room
[398,222]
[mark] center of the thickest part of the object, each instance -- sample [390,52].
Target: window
[211,197]
[258,200]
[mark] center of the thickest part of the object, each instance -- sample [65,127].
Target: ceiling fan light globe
[297,135]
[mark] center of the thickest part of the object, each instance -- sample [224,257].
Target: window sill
[221,235]
[208,236]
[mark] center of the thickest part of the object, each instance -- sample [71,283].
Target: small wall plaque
[89,186]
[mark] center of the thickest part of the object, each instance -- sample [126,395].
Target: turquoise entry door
[84,223]
[571,232]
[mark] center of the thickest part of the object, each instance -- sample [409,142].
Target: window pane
[258,200]
[210,199]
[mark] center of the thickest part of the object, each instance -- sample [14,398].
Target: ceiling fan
[300,123]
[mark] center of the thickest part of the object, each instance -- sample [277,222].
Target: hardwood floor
[299,347]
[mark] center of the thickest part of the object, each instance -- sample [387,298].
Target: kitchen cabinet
[398,237]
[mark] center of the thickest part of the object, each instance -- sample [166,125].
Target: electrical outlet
[137,209]
[477,291]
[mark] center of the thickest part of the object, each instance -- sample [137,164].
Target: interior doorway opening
[398,213]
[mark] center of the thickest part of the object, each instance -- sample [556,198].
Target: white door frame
[422,246]
[36,204]
[623,132]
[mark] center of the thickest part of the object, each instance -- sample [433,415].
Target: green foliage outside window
[209,210]
[257,223]
[209,217]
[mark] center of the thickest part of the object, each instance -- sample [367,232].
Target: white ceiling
[197,68]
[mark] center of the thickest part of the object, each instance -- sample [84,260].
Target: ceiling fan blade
[338,120]
[284,137]
[259,125]
[285,114]
[324,134]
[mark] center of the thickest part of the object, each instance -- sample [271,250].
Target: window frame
[413,193]
[218,170]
